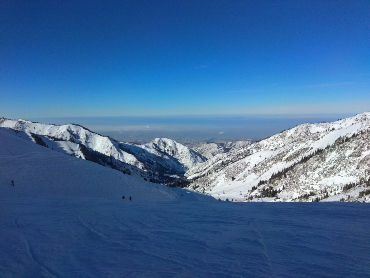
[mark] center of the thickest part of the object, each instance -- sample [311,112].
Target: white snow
[40,171]
[64,217]
[163,147]
[71,133]
[151,161]
[344,162]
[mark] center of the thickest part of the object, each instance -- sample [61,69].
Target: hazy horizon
[192,128]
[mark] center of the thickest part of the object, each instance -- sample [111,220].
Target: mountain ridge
[245,174]
[309,162]
[138,160]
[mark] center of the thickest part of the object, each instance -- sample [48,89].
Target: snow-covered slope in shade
[38,171]
[308,162]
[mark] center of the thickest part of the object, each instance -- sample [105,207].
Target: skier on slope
[123,197]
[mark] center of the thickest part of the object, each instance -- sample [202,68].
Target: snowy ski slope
[64,217]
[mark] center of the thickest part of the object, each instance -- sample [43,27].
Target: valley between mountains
[62,215]
[310,162]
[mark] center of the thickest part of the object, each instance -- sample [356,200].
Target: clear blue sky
[117,58]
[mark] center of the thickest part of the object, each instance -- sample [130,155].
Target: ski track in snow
[138,227]
[49,272]
[65,218]
[264,249]
[184,239]
[162,235]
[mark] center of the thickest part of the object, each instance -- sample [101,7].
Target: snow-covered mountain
[211,149]
[161,160]
[311,162]
[170,156]
[65,217]
[37,171]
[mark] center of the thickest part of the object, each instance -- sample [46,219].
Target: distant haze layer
[188,129]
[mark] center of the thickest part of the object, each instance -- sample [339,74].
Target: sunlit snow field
[82,237]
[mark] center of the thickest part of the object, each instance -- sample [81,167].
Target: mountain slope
[38,171]
[181,155]
[210,150]
[308,162]
[161,160]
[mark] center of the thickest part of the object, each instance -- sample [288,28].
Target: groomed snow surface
[82,237]
[64,217]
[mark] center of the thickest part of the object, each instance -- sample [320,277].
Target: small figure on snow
[130,198]
[12,183]
[123,197]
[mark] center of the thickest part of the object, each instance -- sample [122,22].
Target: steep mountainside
[210,150]
[177,157]
[311,162]
[38,171]
[165,156]
[161,160]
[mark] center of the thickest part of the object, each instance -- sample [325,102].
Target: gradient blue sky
[117,58]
